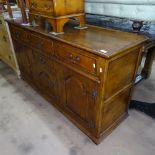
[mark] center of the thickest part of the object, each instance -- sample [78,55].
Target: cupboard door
[80,97]
[44,75]
[23,54]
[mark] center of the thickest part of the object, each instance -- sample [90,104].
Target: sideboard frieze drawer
[76,57]
[42,44]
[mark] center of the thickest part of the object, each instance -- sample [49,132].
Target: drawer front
[41,6]
[20,34]
[44,45]
[76,57]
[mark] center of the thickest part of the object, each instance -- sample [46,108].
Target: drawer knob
[70,56]
[78,59]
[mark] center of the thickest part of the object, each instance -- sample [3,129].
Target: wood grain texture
[91,88]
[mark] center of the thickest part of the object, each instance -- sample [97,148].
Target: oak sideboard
[88,75]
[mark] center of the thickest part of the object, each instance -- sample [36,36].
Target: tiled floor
[31,126]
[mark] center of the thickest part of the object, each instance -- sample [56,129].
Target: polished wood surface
[90,87]
[57,12]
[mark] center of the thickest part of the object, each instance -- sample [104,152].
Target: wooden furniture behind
[6,51]
[57,12]
[88,78]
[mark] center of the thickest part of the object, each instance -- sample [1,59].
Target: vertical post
[22,7]
[9,9]
[146,72]
[27,3]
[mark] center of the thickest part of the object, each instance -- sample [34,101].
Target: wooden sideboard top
[100,41]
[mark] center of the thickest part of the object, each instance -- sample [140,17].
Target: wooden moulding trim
[110,129]
[119,92]
[60,17]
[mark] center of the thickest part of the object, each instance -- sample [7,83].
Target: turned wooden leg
[58,24]
[146,72]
